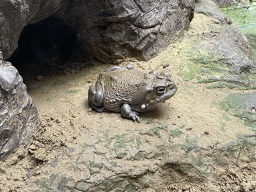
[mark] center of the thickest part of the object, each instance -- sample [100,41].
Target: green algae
[190,144]
[241,105]
[238,148]
[190,73]
[176,133]
[53,182]
[209,69]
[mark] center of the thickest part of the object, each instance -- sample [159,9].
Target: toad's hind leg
[95,98]
[127,113]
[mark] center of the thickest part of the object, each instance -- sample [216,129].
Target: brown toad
[126,90]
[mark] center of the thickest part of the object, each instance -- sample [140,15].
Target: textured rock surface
[18,114]
[110,30]
[226,3]
[116,29]
[243,106]
[210,8]
[14,15]
[226,49]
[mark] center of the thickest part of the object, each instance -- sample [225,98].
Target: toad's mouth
[149,105]
[165,96]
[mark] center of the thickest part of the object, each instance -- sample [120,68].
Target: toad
[128,91]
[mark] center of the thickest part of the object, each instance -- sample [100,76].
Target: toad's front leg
[127,113]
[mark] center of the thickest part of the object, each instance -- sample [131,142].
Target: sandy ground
[68,120]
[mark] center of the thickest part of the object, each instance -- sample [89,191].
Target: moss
[156,131]
[138,156]
[149,121]
[106,138]
[82,186]
[240,16]
[241,105]
[182,126]
[54,181]
[237,148]
[120,141]
[222,127]
[42,183]
[191,143]
[138,143]
[73,91]
[190,73]
[176,133]
[143,182]
[121,155]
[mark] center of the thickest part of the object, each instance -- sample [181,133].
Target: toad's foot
[126,112]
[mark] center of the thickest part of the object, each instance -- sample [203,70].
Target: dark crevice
[139,6]
[45,45]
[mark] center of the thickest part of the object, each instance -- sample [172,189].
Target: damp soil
[68,120]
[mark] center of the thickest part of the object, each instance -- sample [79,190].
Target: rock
[242,105]
[62,66]
[68,71]
[18,114]
[112,30]
[227,3]
[39,77]
[14,15]
[224,51]
[209,7]
[109,30]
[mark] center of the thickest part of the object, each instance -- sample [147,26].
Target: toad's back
[121,86]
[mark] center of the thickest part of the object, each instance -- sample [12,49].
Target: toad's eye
[160,90]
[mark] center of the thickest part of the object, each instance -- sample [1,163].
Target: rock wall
[14,15]
[227,3]
[18,114]
[228,47]
[112,30]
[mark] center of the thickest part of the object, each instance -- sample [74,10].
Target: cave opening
[46,48]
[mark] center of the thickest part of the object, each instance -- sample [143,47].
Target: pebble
[39,77]
[32,147]
[206,132]
[166,65]
[62,66]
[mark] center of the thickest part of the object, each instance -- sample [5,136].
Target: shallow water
[245,19]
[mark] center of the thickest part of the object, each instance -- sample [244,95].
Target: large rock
[14,15]
[227,3]
[113,29]
[18,114]
[109,30]
[224,51]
